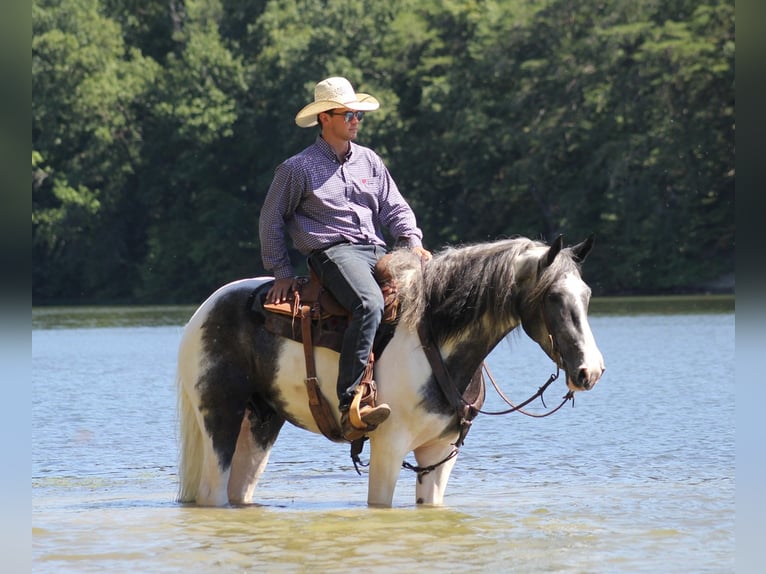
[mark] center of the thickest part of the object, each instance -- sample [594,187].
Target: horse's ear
[581,250]
[554,249]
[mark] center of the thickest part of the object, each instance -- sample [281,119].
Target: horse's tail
[190,454]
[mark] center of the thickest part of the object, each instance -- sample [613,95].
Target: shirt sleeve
[395,213]
[279,205]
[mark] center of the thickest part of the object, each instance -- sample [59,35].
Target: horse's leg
[430,491]
[214,479]
[385,463]
[258,432]
[223,404]
[202,479]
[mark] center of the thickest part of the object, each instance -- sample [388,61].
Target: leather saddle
[328,317]
[322,321]
[309,291]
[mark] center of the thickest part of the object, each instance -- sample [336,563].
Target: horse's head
[554,312]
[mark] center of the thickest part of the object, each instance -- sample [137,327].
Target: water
[637,477]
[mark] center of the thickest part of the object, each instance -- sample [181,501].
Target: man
[333,199]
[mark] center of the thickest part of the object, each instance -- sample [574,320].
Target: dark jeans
[345,270]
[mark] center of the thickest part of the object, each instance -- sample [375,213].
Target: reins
[466,410]
[520,407]
[421,471]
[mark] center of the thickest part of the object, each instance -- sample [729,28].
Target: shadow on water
[329,539]
[322,537]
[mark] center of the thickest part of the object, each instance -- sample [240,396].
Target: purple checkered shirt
[320,201]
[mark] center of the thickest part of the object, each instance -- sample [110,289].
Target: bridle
[555,355]
[467,410]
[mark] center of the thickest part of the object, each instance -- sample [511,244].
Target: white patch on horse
[592,365]
[291,382]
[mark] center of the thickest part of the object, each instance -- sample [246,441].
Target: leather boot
[368,420]
[374,415]
[363,415]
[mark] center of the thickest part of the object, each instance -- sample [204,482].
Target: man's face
[339,127]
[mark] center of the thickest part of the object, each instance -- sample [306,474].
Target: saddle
[322,323]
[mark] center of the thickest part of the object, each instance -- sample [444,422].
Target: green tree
[88,94]
[157,126]
[199,217]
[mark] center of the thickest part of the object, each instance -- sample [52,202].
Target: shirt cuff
[409,241]
[284,273]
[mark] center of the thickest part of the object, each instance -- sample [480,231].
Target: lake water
[638,477]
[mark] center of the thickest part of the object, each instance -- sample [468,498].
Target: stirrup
[363,416]
[363,412]
[369,420]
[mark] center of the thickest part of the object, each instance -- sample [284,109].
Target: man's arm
[276,209]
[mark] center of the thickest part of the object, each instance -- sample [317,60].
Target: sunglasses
[348,116]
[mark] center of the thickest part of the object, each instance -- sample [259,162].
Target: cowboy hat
[334,93]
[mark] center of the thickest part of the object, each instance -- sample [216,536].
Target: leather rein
[467,411]
[520,407]
[556,357]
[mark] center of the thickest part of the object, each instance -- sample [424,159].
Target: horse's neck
[483,332]
[464,354]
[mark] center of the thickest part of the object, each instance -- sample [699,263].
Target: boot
[363,415]
[371,415]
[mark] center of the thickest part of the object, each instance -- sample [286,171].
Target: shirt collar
[328,151]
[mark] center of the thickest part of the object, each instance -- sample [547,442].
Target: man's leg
[346,271]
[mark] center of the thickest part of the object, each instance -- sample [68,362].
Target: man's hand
[282,290]
[425,255]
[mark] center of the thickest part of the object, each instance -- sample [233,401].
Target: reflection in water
[639,476]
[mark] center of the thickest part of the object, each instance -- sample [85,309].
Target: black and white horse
[238,383]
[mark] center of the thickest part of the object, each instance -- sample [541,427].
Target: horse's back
[221,316]
[239,290]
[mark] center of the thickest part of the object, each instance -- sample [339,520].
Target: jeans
[345,270]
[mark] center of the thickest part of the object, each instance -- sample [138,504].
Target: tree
[88,91]
[198,214]
[157,127]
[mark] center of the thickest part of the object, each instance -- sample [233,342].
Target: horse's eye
[554,297]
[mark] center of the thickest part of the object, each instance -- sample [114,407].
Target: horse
[238,383]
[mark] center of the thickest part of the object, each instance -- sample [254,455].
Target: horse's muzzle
[586,378]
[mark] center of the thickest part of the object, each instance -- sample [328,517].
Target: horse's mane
[462,285]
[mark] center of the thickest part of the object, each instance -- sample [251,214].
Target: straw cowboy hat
[334,93]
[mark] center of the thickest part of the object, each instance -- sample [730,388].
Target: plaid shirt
[320,201]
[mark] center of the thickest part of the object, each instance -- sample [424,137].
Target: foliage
[156,128]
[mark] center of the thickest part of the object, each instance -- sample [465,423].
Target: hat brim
[307,117]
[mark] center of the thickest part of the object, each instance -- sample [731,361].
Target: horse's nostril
[587,379]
